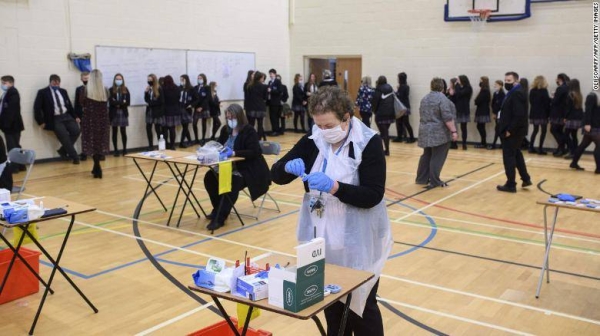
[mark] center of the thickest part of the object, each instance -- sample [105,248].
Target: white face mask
[232,123]
[334,135]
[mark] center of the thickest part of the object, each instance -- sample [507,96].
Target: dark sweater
[383,108]
[115,104]
[513,117]
[299,95]
[214,104]
[482,101]
[539,101]
[573,113]
[497,101]
[559,102]
[463,95]
[11,120]
[403,94]
[172,95]
[592,111]
[371,172]
[257,95]
[156,105]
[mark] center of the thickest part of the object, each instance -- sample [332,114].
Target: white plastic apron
[354,237]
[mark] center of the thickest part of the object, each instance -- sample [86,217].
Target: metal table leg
[548,240]
[179,178]
[149,183]
[345,315]
[226,316]
[319,325]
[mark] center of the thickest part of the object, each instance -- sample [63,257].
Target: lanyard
[339,149]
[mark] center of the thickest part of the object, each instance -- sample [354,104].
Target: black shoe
[275,134]
[558,153]
[82,157]
[453,145]
[491,147]
[464,147]
[526,184]
[214,225]
[479,146]
[116,153]
[576,166]
[102,158]
[398,139]
[63,154]
[411,141]
[505,188]
[211,215]
[124,152]
[532,151]
[386,152]
[183,145]
[542,152]
[76,161]
[568,157]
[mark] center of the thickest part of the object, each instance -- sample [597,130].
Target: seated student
[53,111]
[6,180]
[241,140]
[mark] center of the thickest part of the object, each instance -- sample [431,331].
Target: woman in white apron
[342,165]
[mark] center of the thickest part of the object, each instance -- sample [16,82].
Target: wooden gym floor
[466,258]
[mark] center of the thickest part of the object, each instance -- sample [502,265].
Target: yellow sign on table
[242,312]
[225,173]
[20,230]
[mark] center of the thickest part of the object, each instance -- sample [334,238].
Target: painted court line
[455,317]
[173,320]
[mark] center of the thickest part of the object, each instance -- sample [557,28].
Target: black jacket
[276,92]
[403,94]
[43,107]
[573,113]
[463,95]
[78,107]
[245,96]
[118,102]
[284,94]
[539,101]
[156,105]
[11,120]
[188,98]
[254,168]
[592,111]
[559,102]
[172,95]
[371,172]
[482,101]
[513,117]
[497,101]
[328,82]
[257,95]
[214,104]
[384,108]
[299,96]
[6,179]
[202,94]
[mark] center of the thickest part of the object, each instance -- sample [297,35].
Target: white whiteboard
[228,69]
[136,64]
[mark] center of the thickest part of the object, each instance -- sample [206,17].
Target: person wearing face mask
[342,165]
[77,108]
[275,91]
[497,100]
[187,101]
[53,111]
[512,127]
[172,111]
[558,110]
[482,113]
[240,140]
[11,121]
[383,107]
[155,109]
[256,106]
[214,104]
[462,95]
[202,110]
[118,115]
[299,101]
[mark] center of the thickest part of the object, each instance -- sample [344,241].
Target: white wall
[411,36]
[35,39]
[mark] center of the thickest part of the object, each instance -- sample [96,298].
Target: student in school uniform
[214,104]
[463,93]
[6,178]
[383,108]
[328,79]
[299,101]
[285,107]
[186,104]
[256,106]
[451,95]
[155,109]
[310,89]
[172,94]
[403,127]
[202,109]
[274,101]
[539,101]
[497,99]
[77,108]
[249,79]
[11,121]
[482,113]
[363,101]
[53,111]
[573,117]
[524,82]
[591,132]
[118,113]
[558,111]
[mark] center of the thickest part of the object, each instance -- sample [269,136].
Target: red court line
[509,221]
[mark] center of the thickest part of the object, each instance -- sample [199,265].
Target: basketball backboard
[502,10]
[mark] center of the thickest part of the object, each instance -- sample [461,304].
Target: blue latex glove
[227,152]
[319,181]
[295,167]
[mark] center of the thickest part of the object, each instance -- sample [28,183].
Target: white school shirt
[61,101]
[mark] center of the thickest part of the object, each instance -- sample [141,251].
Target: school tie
[60,109]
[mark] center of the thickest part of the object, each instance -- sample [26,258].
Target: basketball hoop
[479,18]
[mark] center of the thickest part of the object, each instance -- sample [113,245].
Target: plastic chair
[24,157]
[268,148]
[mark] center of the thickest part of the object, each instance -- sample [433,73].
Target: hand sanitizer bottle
[161,143]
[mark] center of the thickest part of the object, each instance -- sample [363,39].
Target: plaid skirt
[172,120]
[186,117]
[464,118]
[151,120]
[384,120]
[539,122]
[299,109]
[120,120]
[573,124]
[482,119]
[256,114]
[556,121]
[205,114]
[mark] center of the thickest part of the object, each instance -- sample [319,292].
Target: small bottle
[161,143]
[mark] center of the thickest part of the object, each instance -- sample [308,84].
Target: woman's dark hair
[249,77]
[257,76]
[204,79]
[485,83]
[238,113]
[445,85]
[563,77]
[330,99]
[402,78]
[575,93]
[168,82]
[381,80]
[120,89]
[464,80]
[310,77]
[187,85]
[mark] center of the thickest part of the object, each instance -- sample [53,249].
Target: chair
[24,157]
[268,148]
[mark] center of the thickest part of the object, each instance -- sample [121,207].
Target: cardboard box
[254,286]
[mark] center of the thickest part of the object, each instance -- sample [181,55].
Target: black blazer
[115,104]
[592,111]
[156,105]
[6,179]
[403,94]
[371,172]
[276,92]
[257,95]
[573,113]
[78,108]
[11,120]
[299,96]
[191,99]
[497,101]
[462,96]
[539,101]
[254,168]
[43,107]
[245,96]
[384,108]
[172,95]
[559,102]
[214,104]
[202,94]
[482,101]
[513,117]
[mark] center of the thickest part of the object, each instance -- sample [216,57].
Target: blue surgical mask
[232,123]
[119,82]
[55,88]
[4,87]
[200,82]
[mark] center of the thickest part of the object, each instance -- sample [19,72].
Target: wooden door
[316,66]
[354,68]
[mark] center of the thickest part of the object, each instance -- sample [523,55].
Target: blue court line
[427,240]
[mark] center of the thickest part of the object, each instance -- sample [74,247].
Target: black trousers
[274,115]
[513,159]
[13,140]
[558,133]
[67,132]
[366,118]
[211,183]
[370,324]
[585,142]
[403,127]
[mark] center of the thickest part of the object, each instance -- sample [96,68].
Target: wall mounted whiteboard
[228,69]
